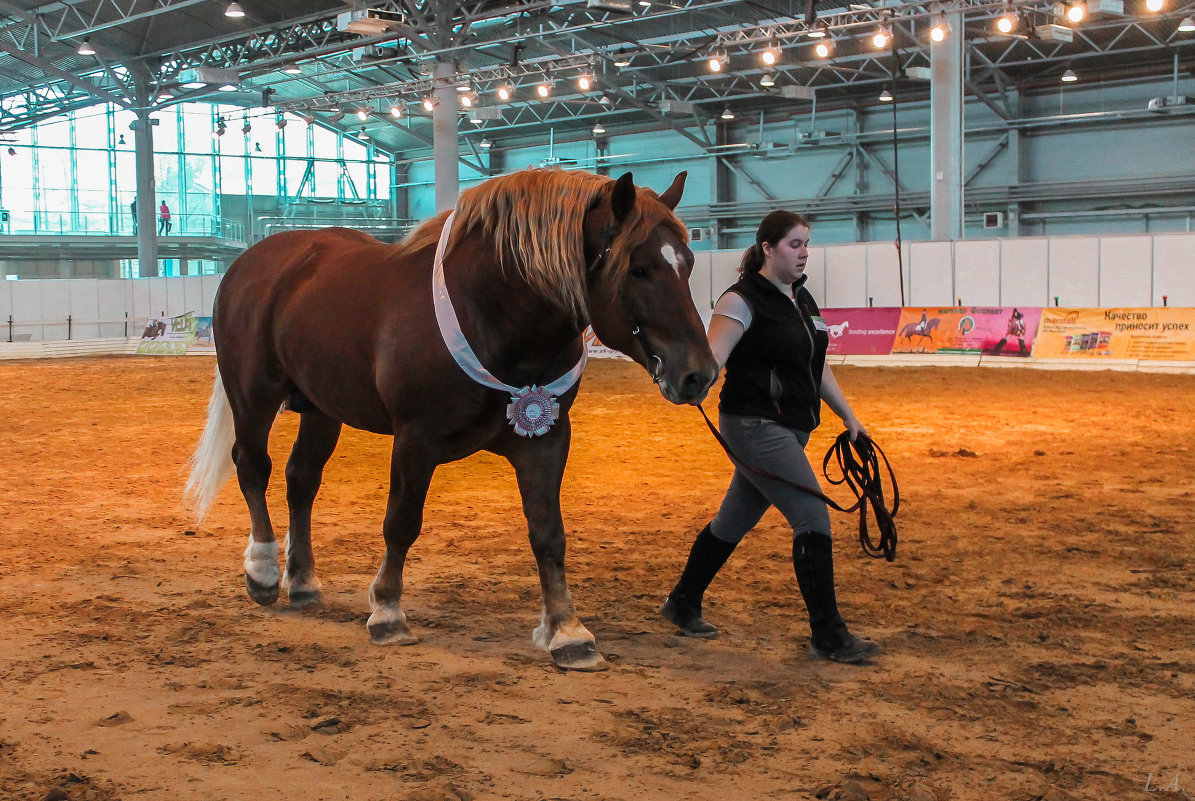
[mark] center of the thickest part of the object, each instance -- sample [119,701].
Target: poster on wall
[1163,333]
[597,350]
[168,336]
[987,330]
[861,332]
[203,331]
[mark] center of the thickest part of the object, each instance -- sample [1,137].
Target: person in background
[164,224]
[768,332]
[133,208]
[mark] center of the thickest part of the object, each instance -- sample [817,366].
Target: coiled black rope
[859,463]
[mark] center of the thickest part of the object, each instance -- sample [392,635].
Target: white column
[444,136]
[946,134]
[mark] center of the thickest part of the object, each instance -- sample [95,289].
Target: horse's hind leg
[313,447]
[252,422]
[411,469]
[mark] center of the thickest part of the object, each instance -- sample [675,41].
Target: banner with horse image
[168,336]
[987,330]
[1146,333]
[861,332]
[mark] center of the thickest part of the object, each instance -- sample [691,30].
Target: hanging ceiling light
[885,96]
[429,103]
[824,48]
[466,100]
[767,80]
[1007,23]
[717,62]
[464,87]
[486,144]
[292,68]
[881,37]
[1155,6]
[86,49]
[1077,11]
[234,10]
[726,114]
[120,141]
[1187,25]
[362,114]
[363,135]
[396,111]
[605,99]
[940,29]
[544,89]
[622,58]
[584,81]
[1069,76]
[505,91]
[598,129]
[771,55]
[818,31]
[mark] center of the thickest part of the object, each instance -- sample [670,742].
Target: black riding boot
[813,562]
[683,606]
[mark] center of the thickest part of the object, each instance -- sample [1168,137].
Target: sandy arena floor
[1037,624]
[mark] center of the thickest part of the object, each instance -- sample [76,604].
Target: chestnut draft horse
[346,330]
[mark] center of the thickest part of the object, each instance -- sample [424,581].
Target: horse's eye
[639,271]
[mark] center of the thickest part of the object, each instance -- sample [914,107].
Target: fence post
[126,325]
[10,328]
[69,324]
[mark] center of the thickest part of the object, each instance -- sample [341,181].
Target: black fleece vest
[775,370]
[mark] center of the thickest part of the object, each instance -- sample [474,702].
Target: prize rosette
[532,411]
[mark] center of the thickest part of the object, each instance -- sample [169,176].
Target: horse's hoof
[582,656]
[306,599]
[391,633]
[263,594]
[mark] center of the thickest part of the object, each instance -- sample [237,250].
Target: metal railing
[65,223]
[71,328]
[389,229]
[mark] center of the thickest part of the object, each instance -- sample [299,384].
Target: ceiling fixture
[246,127]
[598,129]
[1155,5]
[257,147]
[881,37]
[429,103]
[505,91]
[771,55]
[1069,76]
[486,144]
[86,49]
[363,135]
[605,99]
[726,114]
[464,87]
[717,62]
[818,31]
[292,68]
[939,30]
[1187,25]
[544,89]
[280,122]
[120,141]
[234,10]
[336,117]
[622,58]
[885,96]
[824,48]
[396,111]
[466,100]
[584,81]
[767,80]
[362,114]
[1007,23]
[1077,11]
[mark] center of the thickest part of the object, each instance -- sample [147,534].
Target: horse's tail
[211,464]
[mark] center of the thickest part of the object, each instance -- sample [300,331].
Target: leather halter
[655,364]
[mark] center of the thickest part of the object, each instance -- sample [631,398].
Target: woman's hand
[854,427]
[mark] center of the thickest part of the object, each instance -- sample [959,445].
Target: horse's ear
[622,198]
[672,195]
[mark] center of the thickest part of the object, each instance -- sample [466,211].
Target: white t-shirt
[734,306]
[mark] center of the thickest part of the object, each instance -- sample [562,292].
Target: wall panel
[977,271]
[883,275]
[1074,271]
[1125,271]
[1174,269]
[846,276]
[931,273]
[1023,272]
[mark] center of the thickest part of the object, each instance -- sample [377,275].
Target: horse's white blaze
[261,562]
[670,256]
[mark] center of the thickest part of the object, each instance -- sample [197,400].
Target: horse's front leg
[411,469]
[539,467]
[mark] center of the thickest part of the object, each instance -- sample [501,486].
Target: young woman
[769,334]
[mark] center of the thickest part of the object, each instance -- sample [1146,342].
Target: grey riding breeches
[779,450]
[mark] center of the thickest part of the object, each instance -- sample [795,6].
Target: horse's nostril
[692,385]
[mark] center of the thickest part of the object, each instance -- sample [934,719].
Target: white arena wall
[1080,271]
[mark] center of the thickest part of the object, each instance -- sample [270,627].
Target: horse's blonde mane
[536,217]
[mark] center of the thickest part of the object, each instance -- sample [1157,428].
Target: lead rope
[859,463]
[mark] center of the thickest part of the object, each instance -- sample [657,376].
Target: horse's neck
[517,334]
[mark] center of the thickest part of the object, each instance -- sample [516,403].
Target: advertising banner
[861,332]
[597,350]
[1161,333]
[987,330]
[168,336]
